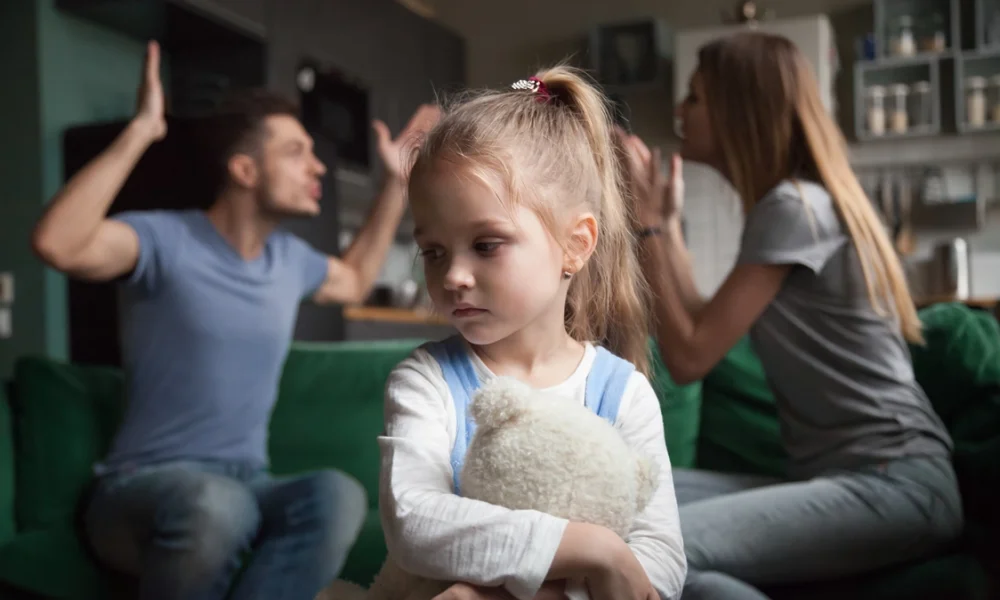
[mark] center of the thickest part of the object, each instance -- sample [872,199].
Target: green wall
[20,175]
[57,71]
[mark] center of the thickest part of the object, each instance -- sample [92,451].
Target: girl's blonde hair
[553,150]
[770,124]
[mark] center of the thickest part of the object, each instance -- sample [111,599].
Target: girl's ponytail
[607,300]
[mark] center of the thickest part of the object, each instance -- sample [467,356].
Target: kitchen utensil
[951,272]
[406,294]
[905,242]
[885,202]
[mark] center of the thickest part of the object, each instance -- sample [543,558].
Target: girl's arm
[655,538]
[433,533]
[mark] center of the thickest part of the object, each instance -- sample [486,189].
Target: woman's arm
[675,260]
[433,533]
[648,188]
[691,344]
[691,341]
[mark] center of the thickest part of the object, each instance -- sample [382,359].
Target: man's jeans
[184,529]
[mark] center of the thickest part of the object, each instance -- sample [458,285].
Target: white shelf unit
[982,63]
[897,71]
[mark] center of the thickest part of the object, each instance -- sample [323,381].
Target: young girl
[527,249]
[818,286]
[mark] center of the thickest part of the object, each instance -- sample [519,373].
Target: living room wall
[64,71]
[20,175]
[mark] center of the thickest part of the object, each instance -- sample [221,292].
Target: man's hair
[238,127]
[242,119]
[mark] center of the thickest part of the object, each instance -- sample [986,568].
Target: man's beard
[270,208]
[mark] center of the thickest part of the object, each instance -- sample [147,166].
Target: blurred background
[914,84]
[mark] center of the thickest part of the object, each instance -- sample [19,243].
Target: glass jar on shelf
[902,41]
[993,99]
[921,107]
[899,118]
[875,109]
[975,101]
[933,37]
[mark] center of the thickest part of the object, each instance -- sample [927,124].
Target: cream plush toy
[534,451]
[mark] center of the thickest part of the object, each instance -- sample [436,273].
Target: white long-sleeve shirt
[434,533]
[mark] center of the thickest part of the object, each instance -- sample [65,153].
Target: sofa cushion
[959,368]
[64,418]
[681,408]
[52,564]
[368,553]
[739,420]
[959,364]
[329,410]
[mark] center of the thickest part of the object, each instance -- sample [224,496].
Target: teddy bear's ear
[500,401]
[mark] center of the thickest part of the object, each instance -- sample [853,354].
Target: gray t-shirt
[841,374]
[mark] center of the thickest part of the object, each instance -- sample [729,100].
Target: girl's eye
[430,253]
[487,247]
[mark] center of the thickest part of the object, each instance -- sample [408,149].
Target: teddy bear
[534,451]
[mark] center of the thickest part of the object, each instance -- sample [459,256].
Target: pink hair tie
[533,85]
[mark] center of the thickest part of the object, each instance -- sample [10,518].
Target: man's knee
[340,502]
[209,520]
[327,507]
[171,516]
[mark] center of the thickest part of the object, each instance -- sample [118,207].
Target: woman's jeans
[742,531]
[184,529]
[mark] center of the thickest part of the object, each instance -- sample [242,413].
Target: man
[210,299]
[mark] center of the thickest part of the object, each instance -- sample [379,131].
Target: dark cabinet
[399,56]
[209,55]
[248,15]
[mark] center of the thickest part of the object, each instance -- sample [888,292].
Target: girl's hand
[621,577]
[550,590]
[467,591]
[656,197]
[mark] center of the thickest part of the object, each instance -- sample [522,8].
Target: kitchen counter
[393,323]
[406,316]
[390,314]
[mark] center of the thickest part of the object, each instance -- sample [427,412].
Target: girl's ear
[582,238]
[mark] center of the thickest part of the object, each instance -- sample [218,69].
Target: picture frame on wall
[631,54]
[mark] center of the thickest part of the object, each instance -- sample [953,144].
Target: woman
[824,298]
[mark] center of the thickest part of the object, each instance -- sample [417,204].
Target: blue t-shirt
[205,333]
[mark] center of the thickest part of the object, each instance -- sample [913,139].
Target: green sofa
[58,418]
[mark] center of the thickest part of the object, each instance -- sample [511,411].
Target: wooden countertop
[388,314]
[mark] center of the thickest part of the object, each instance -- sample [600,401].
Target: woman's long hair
[770,125]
